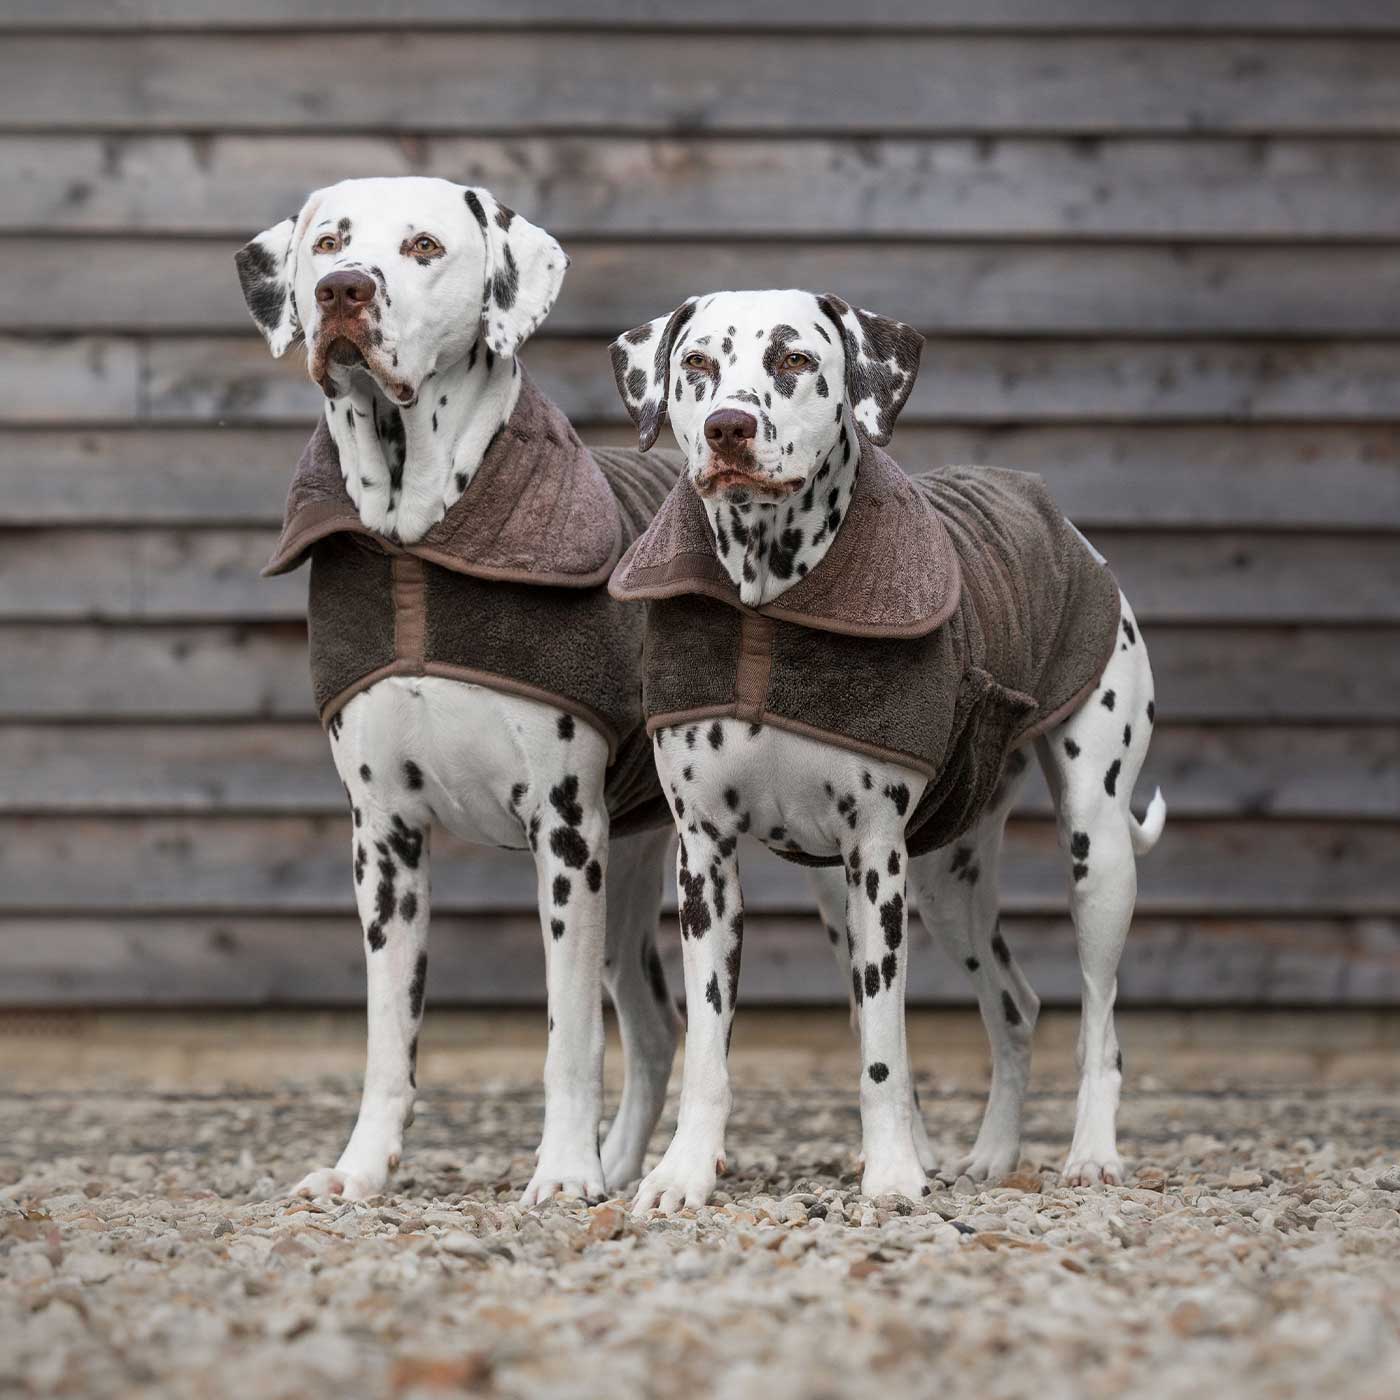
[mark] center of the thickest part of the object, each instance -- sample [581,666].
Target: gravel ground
[143,1249]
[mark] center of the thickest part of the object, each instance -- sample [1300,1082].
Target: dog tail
[1145,833]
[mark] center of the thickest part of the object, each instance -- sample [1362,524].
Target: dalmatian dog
[765,390]
[413,297]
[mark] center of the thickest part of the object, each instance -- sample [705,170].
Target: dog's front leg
[390,856]
[712,935]
[877,917]
[569,834]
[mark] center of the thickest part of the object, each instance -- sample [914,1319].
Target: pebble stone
[146,1248]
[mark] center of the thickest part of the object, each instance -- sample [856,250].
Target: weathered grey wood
[91,380]
[681,186]
[205,769]
[497,960]
[258,670]
[1308,476]
[704,80]
[302,864]
[1269,16]
[125,284]
[178,575]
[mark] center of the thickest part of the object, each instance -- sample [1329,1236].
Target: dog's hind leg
[647,1017]
[1091,762]
[958,895]
[829,884]
[390,867]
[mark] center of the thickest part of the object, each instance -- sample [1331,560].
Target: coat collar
[538,510]
[891,570]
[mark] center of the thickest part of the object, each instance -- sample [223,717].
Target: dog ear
[641,361]
[882,362]
[266,267]
[524,271]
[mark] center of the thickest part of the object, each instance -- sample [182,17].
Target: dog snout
[344,293]
[730,430]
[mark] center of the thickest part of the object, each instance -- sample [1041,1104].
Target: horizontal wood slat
[691,187]
[204,769]
[1287,16]
[184,575]
[87,380]
[84,671]
[302,864]
[259,670]
[707,80]
[124,284]
[498,960]
[1297,476]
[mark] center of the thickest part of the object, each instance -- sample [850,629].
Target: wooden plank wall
[1154,247]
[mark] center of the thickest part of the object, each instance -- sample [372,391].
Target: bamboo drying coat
[506,591]
[955,616]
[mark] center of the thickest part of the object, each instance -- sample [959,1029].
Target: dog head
[391,278]
[757,384]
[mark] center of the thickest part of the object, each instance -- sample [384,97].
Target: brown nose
[344,293]
[730,429]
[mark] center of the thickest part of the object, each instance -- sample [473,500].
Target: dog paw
[582,1181]
[678,1181]
[1088,1171]
[904,1177]
[335,1181]
[985,1164]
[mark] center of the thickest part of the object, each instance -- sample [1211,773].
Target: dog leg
[877,918]
[569,834]
[712,934]
[1091,763]
[390,866]
[957,892]
[829,884]
[647,1018]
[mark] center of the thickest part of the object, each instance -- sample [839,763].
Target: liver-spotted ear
[882,362]
[641,361]
[266,267]
[524,271]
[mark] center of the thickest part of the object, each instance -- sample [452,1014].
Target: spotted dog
[413,297]
[779,400]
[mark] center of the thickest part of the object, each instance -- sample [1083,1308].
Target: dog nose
[344,293]
[730,429]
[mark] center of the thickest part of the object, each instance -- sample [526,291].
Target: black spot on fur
[1071,748]
[594,876]
[872,885]
[1128,632]
[408,907]
[898,793]
[569,846]
[1110,779]
[1010,1010]
[889,966]
[556,927]
[412,775]
[566,727]
[1079,845]
[716,735]
[562,886]
[892,921]
[1108,699]
[418,986]
[405,841]
[1003,953]
[712,993]
[365,774]
[879,1072]
[375,936]
[893,865]
[563,797]
[1127,735]
[872,979]
[971,964]
[1151,712]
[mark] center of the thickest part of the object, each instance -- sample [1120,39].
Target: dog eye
[797,360]
[426,246]
[327,243]
[695,360]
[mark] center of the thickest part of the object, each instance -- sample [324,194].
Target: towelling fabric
[956,615]
[506,591]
